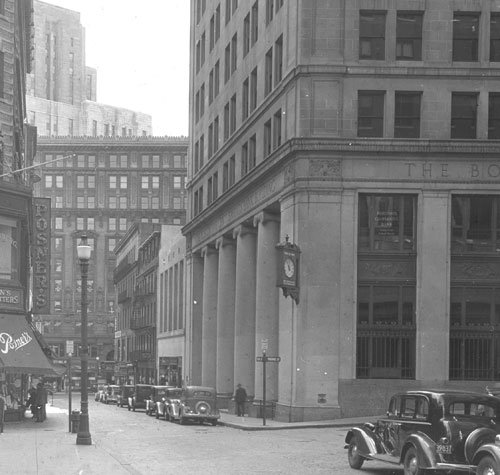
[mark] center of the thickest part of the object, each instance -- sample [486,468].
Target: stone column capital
[264,217]
[242,230]
[224,241]
[207,251]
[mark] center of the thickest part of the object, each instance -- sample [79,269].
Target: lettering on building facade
[41,255]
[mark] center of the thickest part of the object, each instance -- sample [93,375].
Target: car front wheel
[355,460]
[488,466]
[411,466]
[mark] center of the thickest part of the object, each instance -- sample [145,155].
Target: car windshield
[174,393]
[472,409]
[162,392]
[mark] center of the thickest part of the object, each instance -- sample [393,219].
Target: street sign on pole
[265,359]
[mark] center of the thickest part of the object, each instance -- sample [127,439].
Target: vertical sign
[41,255]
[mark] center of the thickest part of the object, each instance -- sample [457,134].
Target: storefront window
[475,225]
[387,223]
[9,248]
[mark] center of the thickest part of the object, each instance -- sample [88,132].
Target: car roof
[163,387]
[199,388]
[451,395]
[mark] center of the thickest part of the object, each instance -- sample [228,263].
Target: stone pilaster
[209,319]
[244,324]
[225,315]
[267,298]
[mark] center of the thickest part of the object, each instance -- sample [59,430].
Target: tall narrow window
[234,53]
[278,60]
[244,159]
[269,11]
[463,115]
[216,79]
[409,36]
[372,35]
[246,35]
[495,37]
[211,87]
[225,177]
[211,35]
[267,138]
[232,170]
[277,129]
[227,62]
[216,134]
[244,99]
[494,116]
[268,72]
[252,152]
[253,90]
[217,23]
[407,115]
[232,115]
[465,36]
[226,121]
[254,35]
[371,113]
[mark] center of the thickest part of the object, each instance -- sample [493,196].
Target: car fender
[487,449]
[477,438]
[425,448]
[367,443]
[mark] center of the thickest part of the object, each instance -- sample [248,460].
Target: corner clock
[288,261]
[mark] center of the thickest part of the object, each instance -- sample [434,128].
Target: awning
[20,350]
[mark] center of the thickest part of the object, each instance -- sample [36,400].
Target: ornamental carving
[370,270]
[289,174]
[474,270]
[325,168]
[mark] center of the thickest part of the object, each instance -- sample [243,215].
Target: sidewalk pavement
[252,423]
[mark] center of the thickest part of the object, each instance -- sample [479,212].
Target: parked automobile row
[190,403]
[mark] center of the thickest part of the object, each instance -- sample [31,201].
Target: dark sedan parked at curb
[142,393]
[124,396]
[196,404]
[441,430]
[111,394]
[156,399]
[172,397]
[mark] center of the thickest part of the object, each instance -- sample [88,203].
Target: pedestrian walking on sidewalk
[2,411]
[240,397]
[41,401]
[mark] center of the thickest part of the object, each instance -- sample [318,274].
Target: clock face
[289,267]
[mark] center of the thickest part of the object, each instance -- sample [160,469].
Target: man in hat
[240,397]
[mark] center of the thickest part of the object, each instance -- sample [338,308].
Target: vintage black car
[196,404]
[124,396]
[156,398]
[142,393]
[440,430]
[172,397]
[111,394]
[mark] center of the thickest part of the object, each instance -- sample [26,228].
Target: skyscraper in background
[62,89]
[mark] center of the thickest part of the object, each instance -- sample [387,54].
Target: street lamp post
[83,437]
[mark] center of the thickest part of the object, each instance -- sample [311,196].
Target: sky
[141,52]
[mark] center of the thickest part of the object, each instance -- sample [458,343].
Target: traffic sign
[272,359]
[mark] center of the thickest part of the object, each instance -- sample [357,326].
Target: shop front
[22,364]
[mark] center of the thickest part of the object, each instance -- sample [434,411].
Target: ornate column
[244,324]
[225,316]
[267,302]
[209,319]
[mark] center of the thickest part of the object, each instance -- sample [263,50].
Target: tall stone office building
[62,89]
[100,187]
[367,133]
